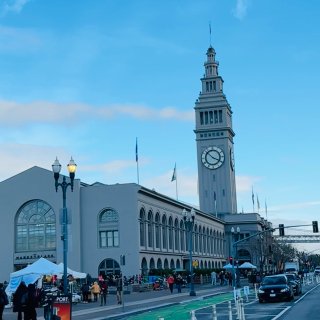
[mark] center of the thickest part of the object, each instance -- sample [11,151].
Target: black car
[275,288]
[295,282]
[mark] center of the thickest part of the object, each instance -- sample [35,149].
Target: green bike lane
[182,310]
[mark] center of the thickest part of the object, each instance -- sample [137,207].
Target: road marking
[302,297]
[281,313]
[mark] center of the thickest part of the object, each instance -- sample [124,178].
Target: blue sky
[85,78]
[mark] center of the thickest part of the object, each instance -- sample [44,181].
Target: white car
[317,271]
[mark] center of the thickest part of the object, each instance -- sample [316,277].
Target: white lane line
[281,313]
[302,297]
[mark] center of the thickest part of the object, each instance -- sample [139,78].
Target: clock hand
[212,157]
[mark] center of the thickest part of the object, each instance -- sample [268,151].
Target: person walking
[103,292]
[20,300]
[32,303]
[85,290]
[3,300]
[179,282]
[170,281]
[119,289]
[95,289]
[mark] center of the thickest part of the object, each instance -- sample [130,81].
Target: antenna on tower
[210,32]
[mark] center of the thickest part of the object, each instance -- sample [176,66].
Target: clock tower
[214,137]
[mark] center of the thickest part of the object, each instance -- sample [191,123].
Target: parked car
[317,271]
[295,282]
[276,287]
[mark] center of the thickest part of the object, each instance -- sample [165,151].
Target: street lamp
[188,217]
[72,167]
[234,253]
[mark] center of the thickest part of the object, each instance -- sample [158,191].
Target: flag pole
[252,199]
[137,160]
[174,178]
[265,205]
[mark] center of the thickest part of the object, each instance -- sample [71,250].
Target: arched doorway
[109,266]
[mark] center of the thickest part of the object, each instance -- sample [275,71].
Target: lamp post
[72,167]
[188,217]
[234,253]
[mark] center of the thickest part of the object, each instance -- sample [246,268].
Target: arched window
[150,229]
[170,233]
[164,232]
[109,266]
[159,264]
[166,264]
[176,234]
[196,239]
[35,227]
[152,264]
[182,236]
[108,228]
[204,241]
[158,230]
[200,239]
[214,243]
[142,227]
[171,264]
[144,266]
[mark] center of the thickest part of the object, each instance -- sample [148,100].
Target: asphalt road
[303,307]
[161,304]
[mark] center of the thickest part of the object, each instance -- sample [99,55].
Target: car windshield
[291,277]
[274,280]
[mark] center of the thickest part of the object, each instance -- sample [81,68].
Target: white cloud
[16,158]
[13,113]
[245,183]
[14,6]
[240,10]
[186,186]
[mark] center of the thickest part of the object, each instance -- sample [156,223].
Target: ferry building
[127,227]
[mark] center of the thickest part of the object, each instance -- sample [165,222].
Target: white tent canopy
[75,274]
[247,265]
[35,271]
[228,266]
[31,273]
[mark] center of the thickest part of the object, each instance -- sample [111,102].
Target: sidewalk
[135,302]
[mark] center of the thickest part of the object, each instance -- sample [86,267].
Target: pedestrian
[221,277]
[213,278]
[3,299]
[170,281]
[103,292]
[95,290]
[32,303]
[118,282]
[20,300]
[179,282]
[85,290]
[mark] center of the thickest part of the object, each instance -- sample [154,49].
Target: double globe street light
[188,217]
[56,168]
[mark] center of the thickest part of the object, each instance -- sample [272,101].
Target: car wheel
[260,301]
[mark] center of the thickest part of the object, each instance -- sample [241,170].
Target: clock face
[212,157]
[231,159]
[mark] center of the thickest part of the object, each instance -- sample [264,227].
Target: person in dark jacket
[3,299]
[32,303]
[19,305]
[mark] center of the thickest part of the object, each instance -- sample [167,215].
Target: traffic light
[315,226]
[281,230]
[230,260]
